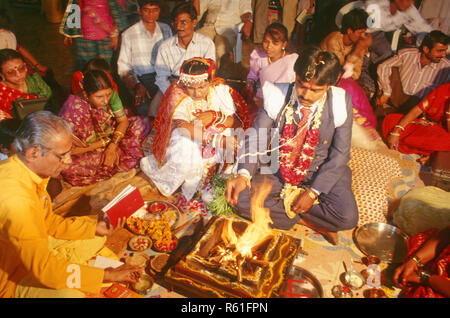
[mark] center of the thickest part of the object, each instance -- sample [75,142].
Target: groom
[313,118]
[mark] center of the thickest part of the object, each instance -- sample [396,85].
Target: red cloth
[7,96]
[439,266]
[418,138]
[170,101]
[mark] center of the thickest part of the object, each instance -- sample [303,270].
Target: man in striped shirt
[420,70]
[178,48]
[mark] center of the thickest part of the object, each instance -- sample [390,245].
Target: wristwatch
[424,276]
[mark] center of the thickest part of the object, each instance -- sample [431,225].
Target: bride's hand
[206,117]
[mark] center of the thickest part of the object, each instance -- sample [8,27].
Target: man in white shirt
[389,16]
[178,48]
[138,50]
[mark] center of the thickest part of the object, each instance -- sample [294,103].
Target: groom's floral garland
[294,172]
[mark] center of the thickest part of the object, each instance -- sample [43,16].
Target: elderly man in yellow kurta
[43,254]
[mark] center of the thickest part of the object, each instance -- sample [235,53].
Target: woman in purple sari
[106,141]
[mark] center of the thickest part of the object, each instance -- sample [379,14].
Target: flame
[257,231]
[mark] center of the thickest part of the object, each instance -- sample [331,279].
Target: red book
[124,204]
[118,291]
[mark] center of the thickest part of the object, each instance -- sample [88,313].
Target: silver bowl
[354,279]
[383,240]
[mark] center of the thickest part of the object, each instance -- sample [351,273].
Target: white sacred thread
[278,129]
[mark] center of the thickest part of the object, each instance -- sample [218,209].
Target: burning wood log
[239,261]
[258,262]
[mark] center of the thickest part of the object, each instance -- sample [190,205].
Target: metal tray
[383,240]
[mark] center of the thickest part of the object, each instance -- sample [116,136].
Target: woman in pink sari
[106,141]
[272,64]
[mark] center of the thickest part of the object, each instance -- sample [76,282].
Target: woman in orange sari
[194,116]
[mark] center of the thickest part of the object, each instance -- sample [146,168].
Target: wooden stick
[258,262]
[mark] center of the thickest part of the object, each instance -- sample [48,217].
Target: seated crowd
[152,79]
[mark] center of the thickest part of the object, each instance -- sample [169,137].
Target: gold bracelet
[119,132]
[117,136]
[401,127]
[418,261]
[394,134]
[313,195]
[114,33]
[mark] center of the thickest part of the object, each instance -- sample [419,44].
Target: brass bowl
[144,285]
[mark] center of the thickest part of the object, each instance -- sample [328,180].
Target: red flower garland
[294,172]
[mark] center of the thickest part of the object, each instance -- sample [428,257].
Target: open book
[124,204]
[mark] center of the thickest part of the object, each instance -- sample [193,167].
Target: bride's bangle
[399,127]
[394,134]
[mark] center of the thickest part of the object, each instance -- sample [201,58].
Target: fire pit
[235,259]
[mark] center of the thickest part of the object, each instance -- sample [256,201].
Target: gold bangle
[313,195]
[115,139]
[400,127]
[418,261]
[394,134]
[119,132]
[114,33]
[117,136]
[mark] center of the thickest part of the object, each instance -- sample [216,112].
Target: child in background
[96,63]
[8,128]
[98,33]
